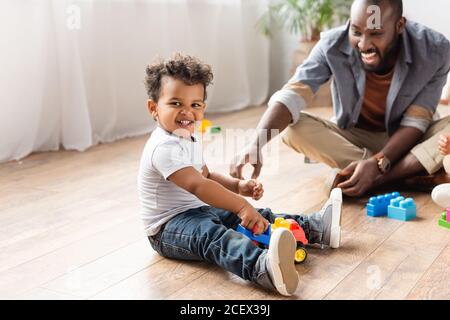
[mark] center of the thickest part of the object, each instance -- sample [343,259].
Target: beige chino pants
[323,141]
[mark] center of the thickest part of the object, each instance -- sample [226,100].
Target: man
[387,82]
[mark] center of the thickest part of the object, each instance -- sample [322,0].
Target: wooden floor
[70,229]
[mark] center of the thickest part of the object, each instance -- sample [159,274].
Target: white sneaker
[441,195]
[280,261]
[331,219]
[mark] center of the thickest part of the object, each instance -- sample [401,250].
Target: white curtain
[72,71]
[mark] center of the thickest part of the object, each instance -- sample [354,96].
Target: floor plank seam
[122,280]
[215,268]
[390,276]
[66,245]
[426,271]
[361,262]
[93,261]
[59,292]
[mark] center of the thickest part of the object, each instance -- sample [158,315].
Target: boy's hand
[252,219]
[251,188]
[444,145]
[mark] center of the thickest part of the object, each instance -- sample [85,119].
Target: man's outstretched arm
[284,108]
[274,120]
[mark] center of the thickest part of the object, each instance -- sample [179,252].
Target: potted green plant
[306,18]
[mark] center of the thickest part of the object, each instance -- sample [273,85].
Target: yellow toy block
[281,223]
[205,125]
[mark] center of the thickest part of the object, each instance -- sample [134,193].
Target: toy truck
[263,240]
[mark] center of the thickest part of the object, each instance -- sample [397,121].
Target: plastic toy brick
[378,206]
[402,209]
[444,221]
[216,129]
[262,238]
[281,223]
[205,125]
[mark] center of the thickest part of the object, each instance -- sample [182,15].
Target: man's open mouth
[370,57]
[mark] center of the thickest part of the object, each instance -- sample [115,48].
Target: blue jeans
[208,234]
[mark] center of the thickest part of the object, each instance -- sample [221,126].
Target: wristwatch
[384,164]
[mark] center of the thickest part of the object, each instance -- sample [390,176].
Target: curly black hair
[186,68]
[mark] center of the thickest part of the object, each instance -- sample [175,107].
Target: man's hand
[253,156]
[252,219]
[444,145]
[275,119]
[250,188]
[362,175]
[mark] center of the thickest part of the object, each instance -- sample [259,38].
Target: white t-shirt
[161,199]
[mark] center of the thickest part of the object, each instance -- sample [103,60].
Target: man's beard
[383,66]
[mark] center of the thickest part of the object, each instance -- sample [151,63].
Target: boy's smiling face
[179,106]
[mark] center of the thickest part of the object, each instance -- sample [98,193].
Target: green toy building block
[216,129]
[443,222]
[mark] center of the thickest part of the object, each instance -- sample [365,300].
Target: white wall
[433,13]
[282,47]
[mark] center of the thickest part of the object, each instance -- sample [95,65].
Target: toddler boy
[191,213]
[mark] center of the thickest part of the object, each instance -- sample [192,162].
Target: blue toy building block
[378,206]
[402,209]
[262,238]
